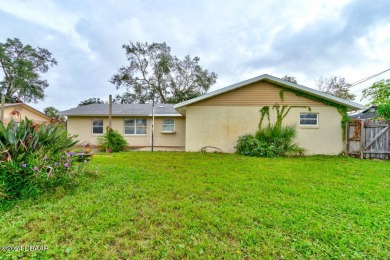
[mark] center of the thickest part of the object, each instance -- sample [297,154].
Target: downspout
[153,123]
[110,111]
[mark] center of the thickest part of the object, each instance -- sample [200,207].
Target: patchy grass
[191,205]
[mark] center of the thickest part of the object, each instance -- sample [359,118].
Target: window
[308,119]
[168,125]
[97,126]
[135,126]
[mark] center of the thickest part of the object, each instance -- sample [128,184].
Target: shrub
[33,158]
[112,140]
[384,110]
[271,141]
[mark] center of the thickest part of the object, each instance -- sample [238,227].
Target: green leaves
[270,141]
[378,93]
[154,73]
[384,110]
[21,66]
[112,139]
[32,158]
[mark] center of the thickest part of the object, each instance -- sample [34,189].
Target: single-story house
[134,121]
[19,111]
[218,118]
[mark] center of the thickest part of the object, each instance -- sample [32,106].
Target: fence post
[347,139]
[362,137]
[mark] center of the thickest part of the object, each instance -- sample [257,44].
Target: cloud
[48,14]
[236,39]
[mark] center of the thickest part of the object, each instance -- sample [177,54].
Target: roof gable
[276,81]
[29,108]
[259,94]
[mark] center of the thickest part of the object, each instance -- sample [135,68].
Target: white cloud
[236,39]
[49,14]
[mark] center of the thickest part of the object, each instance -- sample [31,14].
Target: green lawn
[192,205]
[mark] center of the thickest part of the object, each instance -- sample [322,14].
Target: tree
[379,95]
[91,101]
[290,79]
[336,86]
[52,112]
[22,65]
[154,73]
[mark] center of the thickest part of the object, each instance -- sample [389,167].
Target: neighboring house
[218,118]
[133,121]
[366,114]
[19,111]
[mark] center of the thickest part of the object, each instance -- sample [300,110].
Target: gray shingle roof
[122,110]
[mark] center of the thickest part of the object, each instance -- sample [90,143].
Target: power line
[366,79]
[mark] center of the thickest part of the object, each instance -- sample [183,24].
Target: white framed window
[168,125]
[308,119]
[134,126]
[97,126]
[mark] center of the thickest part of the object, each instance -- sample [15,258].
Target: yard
[192,205]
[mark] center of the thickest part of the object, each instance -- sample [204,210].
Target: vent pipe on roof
[110,111]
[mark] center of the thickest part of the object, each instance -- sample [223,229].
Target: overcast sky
[237,40]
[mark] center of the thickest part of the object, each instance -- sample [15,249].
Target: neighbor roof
[370,112]
[122,110]
[288,85]
[27,107]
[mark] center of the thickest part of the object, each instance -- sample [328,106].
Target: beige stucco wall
[220,126]
[82,126]
[24,112]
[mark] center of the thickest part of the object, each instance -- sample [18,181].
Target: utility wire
[366,79]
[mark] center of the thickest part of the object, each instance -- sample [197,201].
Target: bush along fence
[368,139]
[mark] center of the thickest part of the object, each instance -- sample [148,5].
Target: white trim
[114,115]
[309,126]
[272,79]
[166,115]
[135,126]
[97,134]
[174,126]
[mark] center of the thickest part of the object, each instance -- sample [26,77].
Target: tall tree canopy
[153,72]
[21,66]
[91,101]
[290,79]
[336,86]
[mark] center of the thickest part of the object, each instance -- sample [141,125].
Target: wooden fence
[368,139]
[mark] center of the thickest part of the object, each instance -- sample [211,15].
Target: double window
[168,125]
[308,119]
[133,126]
[97,126]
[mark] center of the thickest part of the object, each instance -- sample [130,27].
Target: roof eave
[120,115]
